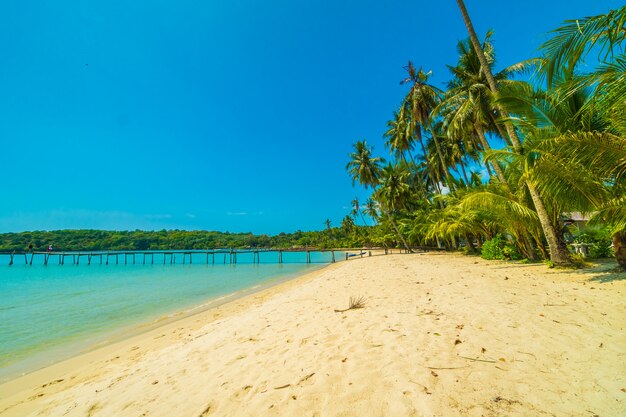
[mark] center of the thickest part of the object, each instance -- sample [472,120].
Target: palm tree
[468,108]
[421,99]
[356,210]
[371,209]
[327,223]
[558,252]
[563,54]
[486,68]
[393,194]
[574,160]
[363,167]
[399,136]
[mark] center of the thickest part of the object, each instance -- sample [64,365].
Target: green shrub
[499,248]
[492,249]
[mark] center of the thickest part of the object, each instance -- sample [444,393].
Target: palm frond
[612,213]
[503,205]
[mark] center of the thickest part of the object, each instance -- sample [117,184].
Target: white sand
[440,335]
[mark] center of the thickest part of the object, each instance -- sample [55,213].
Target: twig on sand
[573,324]
[283,386]
[440,368]
[477,360]
[305,378]
[430,313]
[426,390]
[353,304]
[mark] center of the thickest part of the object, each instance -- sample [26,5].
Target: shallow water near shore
[51,312]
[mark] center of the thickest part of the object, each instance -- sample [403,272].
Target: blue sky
[231,116]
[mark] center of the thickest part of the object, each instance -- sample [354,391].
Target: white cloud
[236,213]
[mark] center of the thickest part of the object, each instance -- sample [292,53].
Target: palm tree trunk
[428,166]
[540,245]
[619,245]
[489,171]
[464,172]
[525,244]
[487,71]
[487,147]
[422,187]
[395,227]
[444,166]
[499,129]
[559,254]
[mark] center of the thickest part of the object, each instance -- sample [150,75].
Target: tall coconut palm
[327,223]
[363,167]
[468,105]
[371,209]
[421,99]
[558,253]
[399,138]
[563,55]
[357,210]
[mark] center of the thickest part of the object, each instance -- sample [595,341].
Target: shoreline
[440,334]
[101,341]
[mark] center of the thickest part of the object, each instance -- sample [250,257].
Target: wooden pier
[210,256]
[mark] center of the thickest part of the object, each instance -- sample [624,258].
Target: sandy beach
[439,335]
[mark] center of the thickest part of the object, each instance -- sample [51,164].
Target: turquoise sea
[48,313]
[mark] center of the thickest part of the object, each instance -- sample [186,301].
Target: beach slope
[439,335]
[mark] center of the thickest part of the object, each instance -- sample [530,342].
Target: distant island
[348,235]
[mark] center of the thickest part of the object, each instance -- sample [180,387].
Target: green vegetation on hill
[348,235]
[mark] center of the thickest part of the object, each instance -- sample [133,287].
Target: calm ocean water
[51,312]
